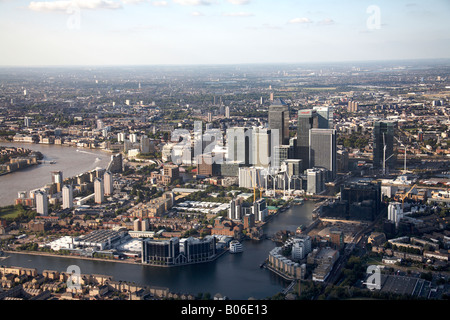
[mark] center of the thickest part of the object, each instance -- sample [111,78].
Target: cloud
[159,3]
[193,2]
[238,14]
[327,22]
[239,2]
[197,14]
[300,21]
[64,5]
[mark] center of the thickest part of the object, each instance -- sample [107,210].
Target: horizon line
[229,64]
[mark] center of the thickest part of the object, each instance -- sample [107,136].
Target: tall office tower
[41,202]
[263,145]
[67,196]
[322,150]
[383,145]
[227,112]
[307,119]
[279,120]
[209,117]
[239,145]
[108,183]
[323,114]
[99,191]
[293,148]
[293,167]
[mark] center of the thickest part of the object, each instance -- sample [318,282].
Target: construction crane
[406,195]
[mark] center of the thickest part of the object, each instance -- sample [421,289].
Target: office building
[99,191]
[239,145]
[322,150]
[279,120]
[41,200]
[178,252]
[281,153]
[108,183]
[325,117]
[363,199]
[383,145]
[307,119]
[67,197]
[263,146]
[316,178]
[250,177]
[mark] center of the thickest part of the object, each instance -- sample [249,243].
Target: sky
[179,32]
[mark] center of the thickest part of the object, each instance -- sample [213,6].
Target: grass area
[10,212]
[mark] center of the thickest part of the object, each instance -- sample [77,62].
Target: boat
[235,247]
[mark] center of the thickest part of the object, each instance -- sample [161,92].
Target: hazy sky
[135,32]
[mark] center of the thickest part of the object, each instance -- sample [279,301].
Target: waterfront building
[178,252]
[260,210]
[67,197]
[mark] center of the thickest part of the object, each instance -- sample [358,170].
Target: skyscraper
[325,117]
[67,196]
[307,119]
[108,183]
[263,146]
[383,145]
[322,150]
[99,191]
[279,120]
[239,141]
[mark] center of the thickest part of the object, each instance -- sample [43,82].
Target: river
[70,160]
[237,276]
